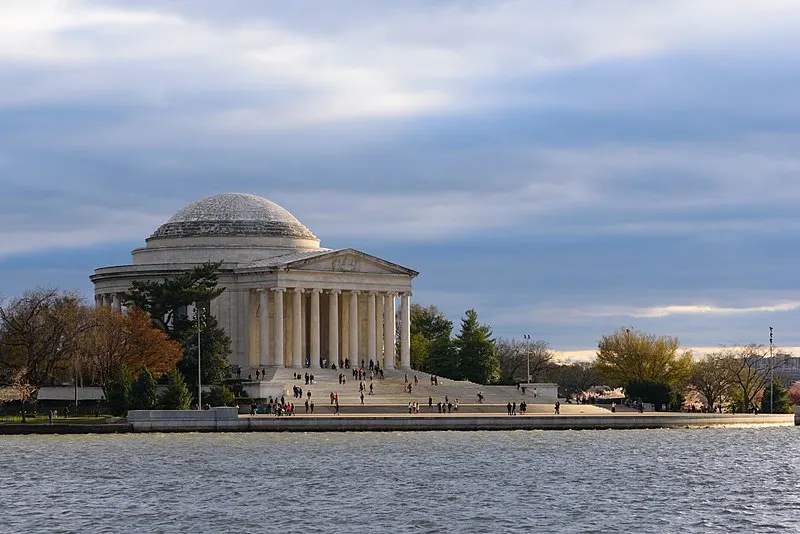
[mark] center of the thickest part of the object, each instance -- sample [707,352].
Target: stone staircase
[389,396]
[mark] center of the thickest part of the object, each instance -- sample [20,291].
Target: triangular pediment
[348,261]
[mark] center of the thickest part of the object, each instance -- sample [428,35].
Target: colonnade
[342,333]
[109,300]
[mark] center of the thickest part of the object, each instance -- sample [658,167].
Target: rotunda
[287,302]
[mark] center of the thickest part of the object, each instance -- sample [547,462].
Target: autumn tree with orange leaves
[131,342]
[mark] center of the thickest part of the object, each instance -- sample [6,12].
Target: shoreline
[219,420]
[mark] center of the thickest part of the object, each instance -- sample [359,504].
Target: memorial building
[287,302]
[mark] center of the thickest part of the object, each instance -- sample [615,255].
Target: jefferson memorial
[287,302]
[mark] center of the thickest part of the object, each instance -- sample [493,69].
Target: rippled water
[701,480]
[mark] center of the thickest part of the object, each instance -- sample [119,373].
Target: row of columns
[109,300]
[385,331]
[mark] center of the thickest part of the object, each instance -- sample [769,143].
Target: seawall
[226,420]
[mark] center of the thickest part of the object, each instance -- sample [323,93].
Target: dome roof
[233,214]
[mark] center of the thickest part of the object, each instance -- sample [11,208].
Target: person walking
[362,398]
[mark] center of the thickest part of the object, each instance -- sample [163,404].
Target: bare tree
[711,378]
[40,333]
[513,355]
[748,368]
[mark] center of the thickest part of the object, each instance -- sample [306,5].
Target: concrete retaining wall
[226,420]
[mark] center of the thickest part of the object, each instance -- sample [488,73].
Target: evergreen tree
[780,399]
[477,354]
[443,359]
[428,326]
[166,302]
[177,396]
[143,391]
[214,346]
[118,391]
[219,396]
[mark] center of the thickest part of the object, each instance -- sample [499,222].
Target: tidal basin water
[646,481]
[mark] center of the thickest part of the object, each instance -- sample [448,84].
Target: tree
[118,391]
[165,301]
[214,346]
[143,391]
[177,395]
[711,379]
[219,396]
[428,324]
[627,355]
[514,355]
[794,393]
[18,389]
[40,333]
[443,359]
[573,378]
[780,399]
[747,369]
[129,341]
[477,354]
[653,391]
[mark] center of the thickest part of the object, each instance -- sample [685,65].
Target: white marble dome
[233,215]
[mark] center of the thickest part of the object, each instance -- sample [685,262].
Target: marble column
[333,328]
[379,327]
[116,302]
[263,328]
[371,354]
[405,331]
[314,329]
[277,358]
[106,300]
[250,354]
[297,328]
[98,301]
[354,361]
[388,331]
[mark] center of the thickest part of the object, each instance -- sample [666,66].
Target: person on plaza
[405,378]
[508,408]
[332,399]
[307,405]
[336,408]
[514,408]
[430,403]
[362,398]
[449,407]
[480,398]
[312,408]
[416,382]
[370,389]
[558,408]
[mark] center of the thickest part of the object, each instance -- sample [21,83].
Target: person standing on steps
[362,398]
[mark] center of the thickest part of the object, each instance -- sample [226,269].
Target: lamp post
[771,373]
[527,337]
[199,313]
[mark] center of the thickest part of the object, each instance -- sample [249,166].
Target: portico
[287,302]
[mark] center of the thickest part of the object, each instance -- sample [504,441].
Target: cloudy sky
[565,167]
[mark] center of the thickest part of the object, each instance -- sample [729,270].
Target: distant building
[786,366]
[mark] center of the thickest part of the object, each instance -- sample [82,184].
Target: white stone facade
[287,302]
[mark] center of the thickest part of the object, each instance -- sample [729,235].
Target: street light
[771,372]
[198,311]
[527,337]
